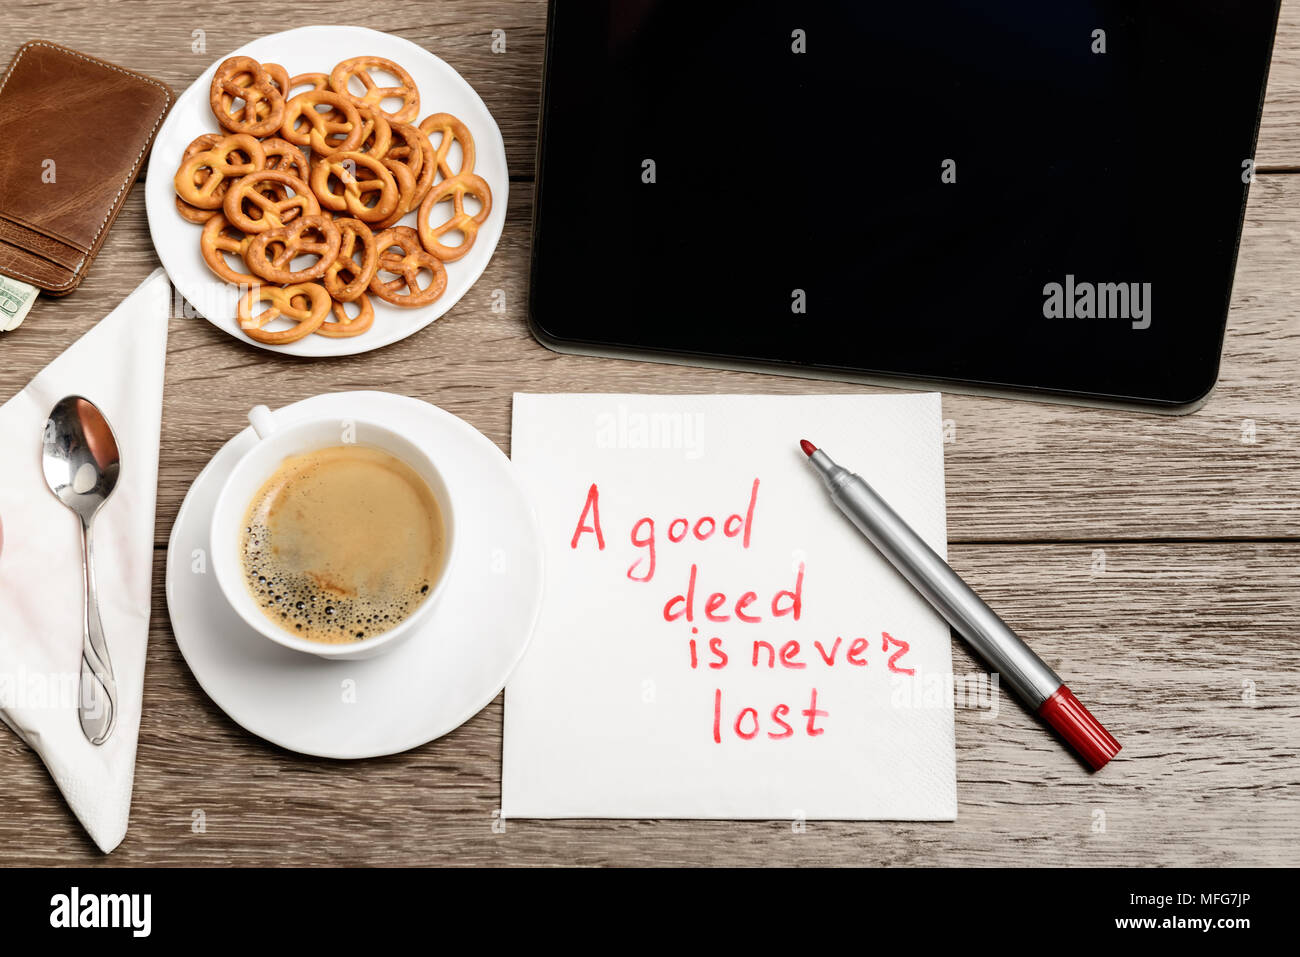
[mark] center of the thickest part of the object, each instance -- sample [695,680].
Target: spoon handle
[98,687]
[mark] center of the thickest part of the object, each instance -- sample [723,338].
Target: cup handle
[259,416]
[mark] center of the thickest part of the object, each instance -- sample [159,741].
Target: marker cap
[1075,723]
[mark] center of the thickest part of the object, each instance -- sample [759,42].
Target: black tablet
[1006,196]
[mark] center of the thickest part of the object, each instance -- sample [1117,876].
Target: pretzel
[451,131]
[407,268]
[279,77]
[314,81]
[231,157]
[344,327]
[195,214]
[405,196]
[271,254]
[352,199]
[374,96]
[192,214]
[287,158]
[354,236]
[454,189]
[305,303]
[204,141]
[200,217]
[376,133]
[219,238]
[404,146]
[428,171]
[322,131]
[275,212]
[243,78]
[317,81]
[412,149]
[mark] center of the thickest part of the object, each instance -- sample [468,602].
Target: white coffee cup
[259,463]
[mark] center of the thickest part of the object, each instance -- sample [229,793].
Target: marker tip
[808,447]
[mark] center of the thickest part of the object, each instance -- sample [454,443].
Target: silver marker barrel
[1000,647]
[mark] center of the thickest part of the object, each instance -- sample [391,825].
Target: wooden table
[1197,604]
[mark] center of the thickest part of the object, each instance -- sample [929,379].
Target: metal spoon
[81,467]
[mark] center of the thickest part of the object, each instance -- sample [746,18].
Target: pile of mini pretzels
[307,189]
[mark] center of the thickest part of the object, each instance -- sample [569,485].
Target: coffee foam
[342,544]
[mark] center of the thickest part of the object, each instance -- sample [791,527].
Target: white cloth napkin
[118,365]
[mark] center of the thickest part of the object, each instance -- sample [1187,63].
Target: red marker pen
[1000,647]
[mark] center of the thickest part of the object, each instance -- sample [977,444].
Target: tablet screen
[1042,196]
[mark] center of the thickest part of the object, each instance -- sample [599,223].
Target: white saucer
[426,686]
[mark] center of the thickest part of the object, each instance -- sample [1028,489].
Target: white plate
[317,50]
[422,688]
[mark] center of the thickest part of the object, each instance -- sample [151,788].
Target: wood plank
[154,37]
[1279,128]
[1016,471]
[1159,645]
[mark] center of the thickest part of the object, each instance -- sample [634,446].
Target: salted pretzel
[428,171]
[317,81]
[348,170]
[305,303]
[192,214]
[374,95]
[411,148]
[271,190]
[270,254]
[376,133]
[204,141]
[313,81]
[404,146]
[279,77]
[243,78]
[202,178]
[287,158]
[405,197]
[346,279]
[406,268]
[274,212]
[343,326]
[195,214]
[451,130]
[219,238]
[200,217]
[325,132]
[455,190]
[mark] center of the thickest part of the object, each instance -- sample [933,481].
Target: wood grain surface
[1185,643]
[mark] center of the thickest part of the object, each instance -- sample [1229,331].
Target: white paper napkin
[118,365]
[634,701]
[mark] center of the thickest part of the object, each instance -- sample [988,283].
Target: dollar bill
[16,299]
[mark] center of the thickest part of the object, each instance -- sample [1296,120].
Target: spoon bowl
[80,460]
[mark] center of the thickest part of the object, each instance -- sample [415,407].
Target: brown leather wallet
[76,130]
